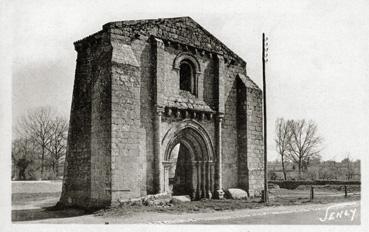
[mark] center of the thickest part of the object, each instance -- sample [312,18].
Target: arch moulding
[175,135]
[186,56]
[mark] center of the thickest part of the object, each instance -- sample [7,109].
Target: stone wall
[209,81]
[87,177]
[243,171]
[76,182]
[101,125]
[128,138]
[229,139]
[231,150]
[255,150]
[144,56]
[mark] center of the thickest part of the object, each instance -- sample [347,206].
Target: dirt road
[334,213]
[30,200]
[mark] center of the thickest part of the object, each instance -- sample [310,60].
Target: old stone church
[158,106]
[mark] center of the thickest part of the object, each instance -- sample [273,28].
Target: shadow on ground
[45,213]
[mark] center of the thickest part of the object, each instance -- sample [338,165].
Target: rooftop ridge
[88,37]
[143,21]
[132,21]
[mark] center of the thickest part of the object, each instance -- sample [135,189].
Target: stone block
[178,199]
[235,193]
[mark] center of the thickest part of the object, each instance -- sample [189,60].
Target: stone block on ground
[235,193]
[184,198]
[157,199]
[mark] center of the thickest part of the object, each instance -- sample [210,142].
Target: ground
[32,203]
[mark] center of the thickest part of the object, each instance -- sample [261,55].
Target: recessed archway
[188,163]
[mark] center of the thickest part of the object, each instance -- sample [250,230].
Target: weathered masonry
[160,106]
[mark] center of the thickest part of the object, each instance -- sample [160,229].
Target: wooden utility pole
[264,55]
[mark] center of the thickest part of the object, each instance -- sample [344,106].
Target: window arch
[187,77]
[188,69]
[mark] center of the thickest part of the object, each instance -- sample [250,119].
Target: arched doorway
[188,164]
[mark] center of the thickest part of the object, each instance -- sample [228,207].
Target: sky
[317,68]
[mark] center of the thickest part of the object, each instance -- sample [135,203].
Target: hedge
[293,184]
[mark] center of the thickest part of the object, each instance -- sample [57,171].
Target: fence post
[311,192]
[345,190]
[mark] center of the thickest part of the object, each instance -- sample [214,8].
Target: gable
[183,30]
[247,81]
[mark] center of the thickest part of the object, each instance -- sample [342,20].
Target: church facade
[159,106]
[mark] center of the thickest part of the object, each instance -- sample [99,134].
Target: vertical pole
[345,190]
[311,192]
[265,196]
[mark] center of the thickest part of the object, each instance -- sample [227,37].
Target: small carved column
[167,166]
[198,193]
[203,180]
[194,180]
[212,177]
[219,189]
[208,183]
[157,146]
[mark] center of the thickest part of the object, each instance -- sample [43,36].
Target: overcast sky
[318,66]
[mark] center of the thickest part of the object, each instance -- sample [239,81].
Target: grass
[182,207]
[36,186]
[24,198]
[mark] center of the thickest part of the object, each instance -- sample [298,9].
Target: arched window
[187,77]
[189,69]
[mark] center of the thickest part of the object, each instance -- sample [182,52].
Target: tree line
[39,144]
[298,144]
[346,169]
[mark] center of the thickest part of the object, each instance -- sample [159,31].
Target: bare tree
[37,125]
[23,155]
[283,140]
[304,143]
[58,142]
